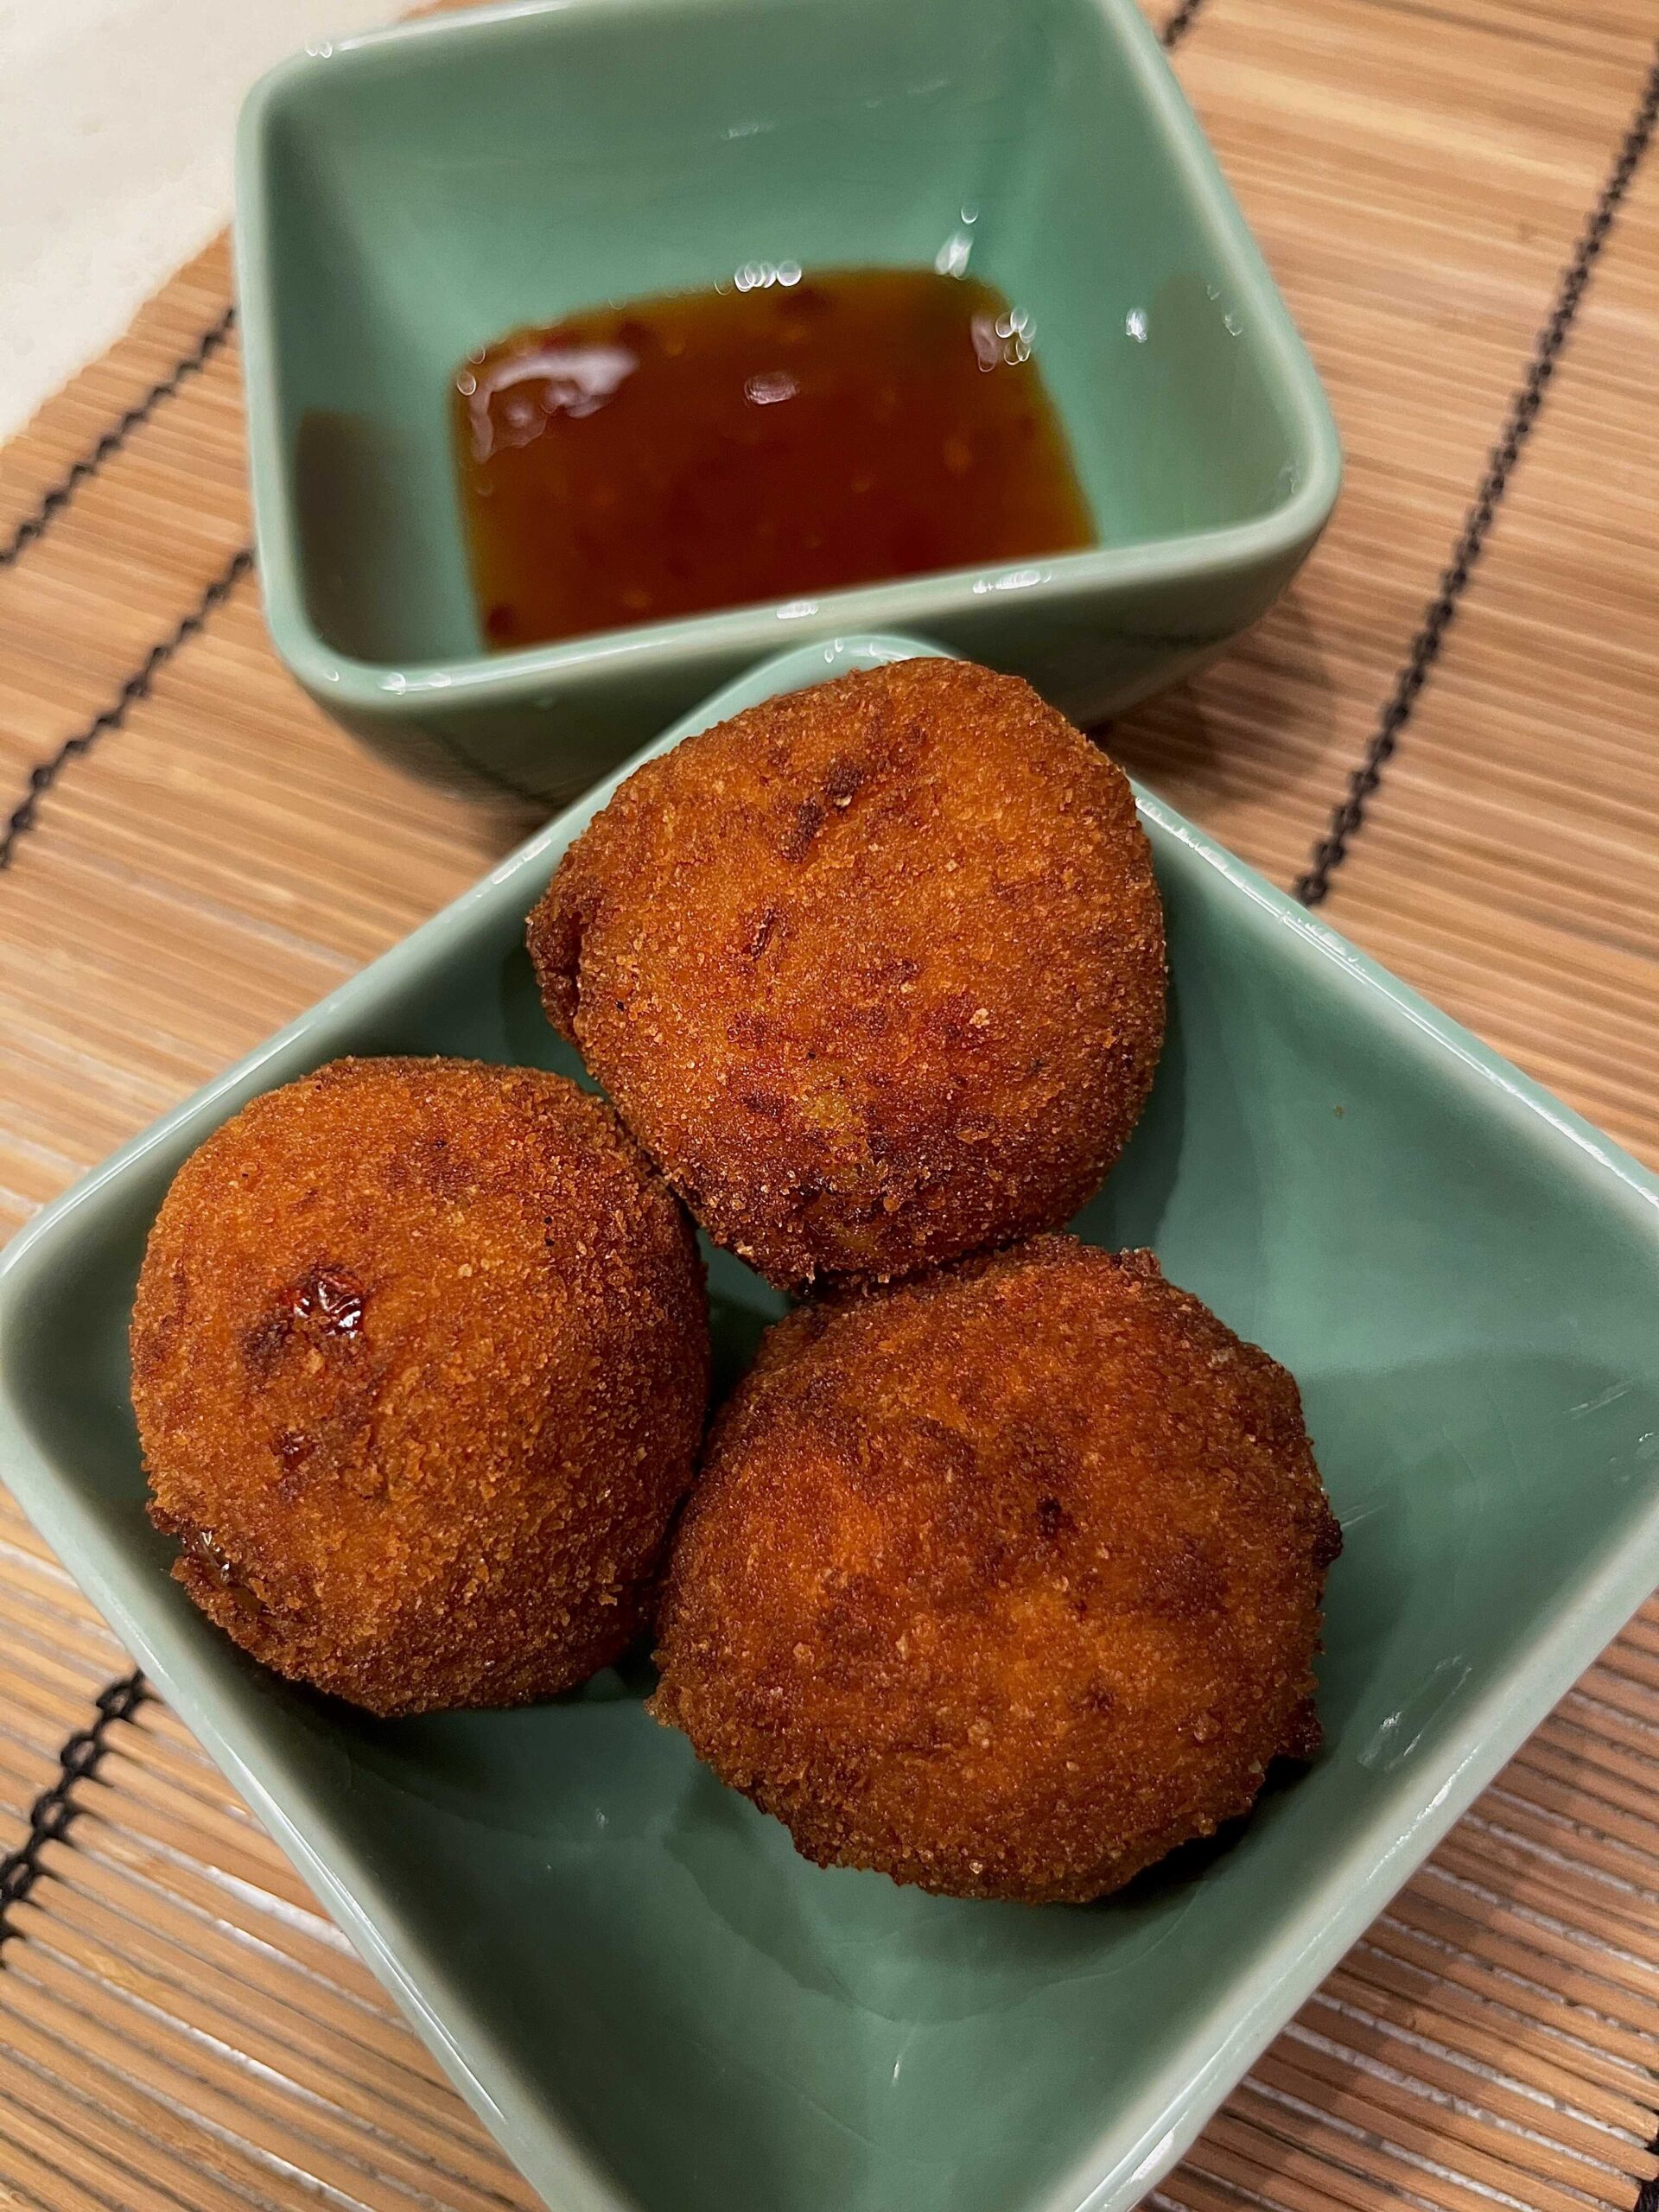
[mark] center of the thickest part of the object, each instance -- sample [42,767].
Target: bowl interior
[621,1955]
[425,193]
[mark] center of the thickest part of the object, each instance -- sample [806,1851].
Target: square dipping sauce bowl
[408,196]
[656,2005]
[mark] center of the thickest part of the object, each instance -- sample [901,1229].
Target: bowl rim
[390,690]
[1138,2144]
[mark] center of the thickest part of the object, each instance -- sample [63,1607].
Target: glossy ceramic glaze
[406,197]
[657,2006]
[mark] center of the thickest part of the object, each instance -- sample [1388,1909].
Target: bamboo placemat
[1445,733]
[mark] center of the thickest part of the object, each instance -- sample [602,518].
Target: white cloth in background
[116,124]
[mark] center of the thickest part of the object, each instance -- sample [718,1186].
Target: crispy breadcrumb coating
[420,1364]
[1005,1581]
[874,971]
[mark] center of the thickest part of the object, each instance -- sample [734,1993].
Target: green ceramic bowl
[408,195]
[656,2005]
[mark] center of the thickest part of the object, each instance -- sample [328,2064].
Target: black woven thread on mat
[1180,22]
[113,439]
[45,773]
[1348,817]
[55,1808]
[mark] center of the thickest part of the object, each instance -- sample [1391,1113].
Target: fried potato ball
[1004,1582]
[420,1363]
[873,972]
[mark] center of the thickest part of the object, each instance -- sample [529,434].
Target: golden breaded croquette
[1004,1582]
[420,1363]
[873,972]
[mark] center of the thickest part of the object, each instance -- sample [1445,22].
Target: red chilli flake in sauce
[788,437]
